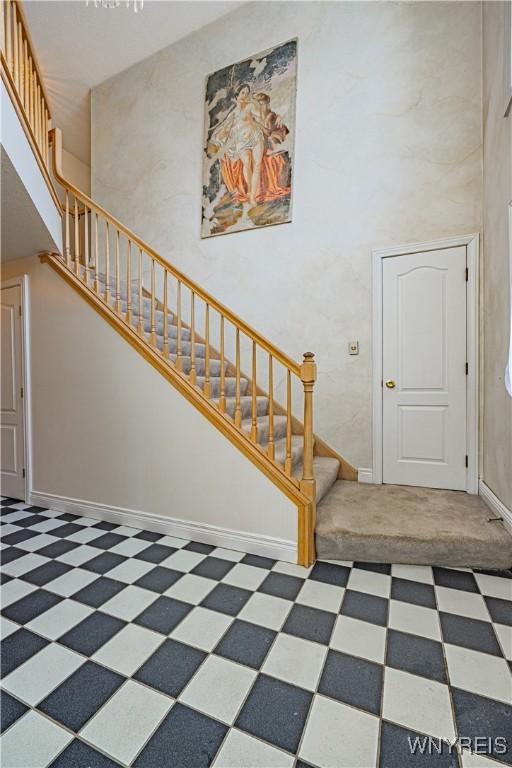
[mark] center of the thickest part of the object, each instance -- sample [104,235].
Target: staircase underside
[400,524]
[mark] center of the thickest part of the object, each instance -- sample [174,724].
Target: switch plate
[353,347]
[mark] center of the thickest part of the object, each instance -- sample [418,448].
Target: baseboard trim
[497,506]
[241,541]
[364,475]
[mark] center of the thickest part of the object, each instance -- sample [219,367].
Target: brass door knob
[390,384]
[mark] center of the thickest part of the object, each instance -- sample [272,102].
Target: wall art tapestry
[248,146]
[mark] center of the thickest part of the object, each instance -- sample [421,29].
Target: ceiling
[80,46]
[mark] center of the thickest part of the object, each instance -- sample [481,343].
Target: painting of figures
[248,145]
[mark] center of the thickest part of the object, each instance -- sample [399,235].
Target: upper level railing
[23,78]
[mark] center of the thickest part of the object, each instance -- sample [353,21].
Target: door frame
[471,243]
[22,281]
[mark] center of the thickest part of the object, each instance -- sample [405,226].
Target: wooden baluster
[107,262]
[238,410]
[222,397]
[179,357]
[96,256]
[270,446]
[140,326]
[67,251]
[16,71]
[27,77]
[165,348]
[86,245]
[288,459]
[192,375]
[39,127]
[308,483]
[118,286]
[31,95]
[129,283]
[45,136]
[2,22]
[254,407]
[152,337]
[207,386]
[77,239]
[8,34]
[21,64]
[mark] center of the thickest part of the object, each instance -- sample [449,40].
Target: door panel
[12,425]
[424,369]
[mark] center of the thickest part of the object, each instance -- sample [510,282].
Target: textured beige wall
[388,150]
[497,409]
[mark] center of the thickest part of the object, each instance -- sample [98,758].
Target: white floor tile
[417,703]
[50,513]
[47,525]
[131,570]
[24,564]
[127,720]
[479,672]
[42,673]
[54,622]
[505,637]
[218,688]
[338,736]
[125,530]
[291,569]
[296,661]
[227,554]
[368,581]
[202,628]
[413,573]
[415,619]
[7,627]
[37,542]
[172,541]
[86,521]
[470,760]
[71,582]
[32,742]
[18,514]
[9,528]
[79,555]
[130,547]
[327,597]
[86,535]
[463,603]
[359,638]
[245,576]
[240,749]
[191,588]
[15,590]
[266,610]
[128,649]
[129,603]
[182,560]
[20,505]
[494,586]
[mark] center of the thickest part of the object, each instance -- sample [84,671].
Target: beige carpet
[400,524]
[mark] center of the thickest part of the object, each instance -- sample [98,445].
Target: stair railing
[124,272]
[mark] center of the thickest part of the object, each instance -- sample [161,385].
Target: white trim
[497,506]
[472,255]
[364,475]
[241,541]
[23,283]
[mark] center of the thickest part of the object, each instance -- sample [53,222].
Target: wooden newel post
[308,482]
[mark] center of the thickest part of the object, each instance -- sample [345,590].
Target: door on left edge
[12,417]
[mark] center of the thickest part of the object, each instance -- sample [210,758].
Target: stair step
[229,386]
[246,406]
[325,470]
[297,450]
[263,428]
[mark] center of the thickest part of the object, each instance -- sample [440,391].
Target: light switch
[353,347]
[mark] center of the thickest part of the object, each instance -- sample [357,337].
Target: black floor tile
[104,526]
[365,607]
[91,633]
[80,696]
[18,648]
[9,554]
[185,739]
[99,591]
[155,553]
[26,522]
[67,517]
[170,668]
[226,599]
[397,745]
[80,755]
[246,643]
[500,610]
[46,572]
[415,654]
[10,710]
[354,681]
[107,541]
[258,561]
[4,578]
[18,536]
[479,716]
[9,500]
[58,548]
[148,535]
[196,546]
[103,563]
[36,510]
[310,624]
[213,568]
[276,712]
[448,577]
[66,530]
[469,633]
[500,574]
[163,615]
[329,573]
[374,567]
[281,585]
[413,592]
[159,579]
[30,606]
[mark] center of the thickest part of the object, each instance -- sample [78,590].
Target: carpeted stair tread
[245,405]
[263,428]
[325,470]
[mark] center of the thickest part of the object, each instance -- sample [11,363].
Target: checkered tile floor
[126,647]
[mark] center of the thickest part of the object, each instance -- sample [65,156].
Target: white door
[424,369]
[12,424]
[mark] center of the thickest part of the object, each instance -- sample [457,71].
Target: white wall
[497,412]
[388,150]
[77,172]
[111,431]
